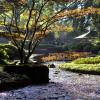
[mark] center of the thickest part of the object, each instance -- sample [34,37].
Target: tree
[38,18]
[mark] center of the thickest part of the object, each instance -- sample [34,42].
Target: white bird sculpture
[83,35]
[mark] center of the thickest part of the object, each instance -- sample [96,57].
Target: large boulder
[37,73]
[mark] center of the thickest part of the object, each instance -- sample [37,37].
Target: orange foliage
[15,35]
[64,56]
[77,13]
[20,36]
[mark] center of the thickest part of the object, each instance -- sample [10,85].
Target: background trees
[32,20]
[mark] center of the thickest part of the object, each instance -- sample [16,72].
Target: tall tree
[38,19]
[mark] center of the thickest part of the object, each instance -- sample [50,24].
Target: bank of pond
[89,65]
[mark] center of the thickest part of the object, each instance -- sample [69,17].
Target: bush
[86,47]
[3,54]
[11,51]
[76,47]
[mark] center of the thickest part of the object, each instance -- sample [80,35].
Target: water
[63,85]
[56,63]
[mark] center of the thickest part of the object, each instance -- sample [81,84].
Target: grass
[89,65]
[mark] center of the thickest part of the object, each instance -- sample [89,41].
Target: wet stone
[98,91]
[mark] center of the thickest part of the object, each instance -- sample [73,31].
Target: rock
[80,74]
[16,76]
[37,73]
[2,61]
[51,66]
[98,91]
[56,72]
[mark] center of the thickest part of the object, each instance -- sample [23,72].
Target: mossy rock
[37,73]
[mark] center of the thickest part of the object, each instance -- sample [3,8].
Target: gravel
[62,86]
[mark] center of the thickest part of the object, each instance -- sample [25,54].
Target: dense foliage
[9,52]
[32,20]
[85,47]
[3,54]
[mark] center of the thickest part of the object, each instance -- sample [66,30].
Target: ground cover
[90,65]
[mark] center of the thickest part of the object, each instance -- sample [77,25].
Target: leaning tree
[32,20]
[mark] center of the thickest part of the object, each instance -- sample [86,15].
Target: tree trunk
[27,58]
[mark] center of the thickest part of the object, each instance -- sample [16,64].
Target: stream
[63,85]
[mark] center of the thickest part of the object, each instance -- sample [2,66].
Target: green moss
[89,60]
[3,54]
[81,67]
[91,64]
[10,51]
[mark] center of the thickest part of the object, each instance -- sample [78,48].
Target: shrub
[11,51]
[3,54]
[76,47]
[86,47]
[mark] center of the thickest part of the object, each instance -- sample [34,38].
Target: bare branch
[9,30]
[36,22]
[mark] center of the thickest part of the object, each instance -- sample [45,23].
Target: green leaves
[3,54]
